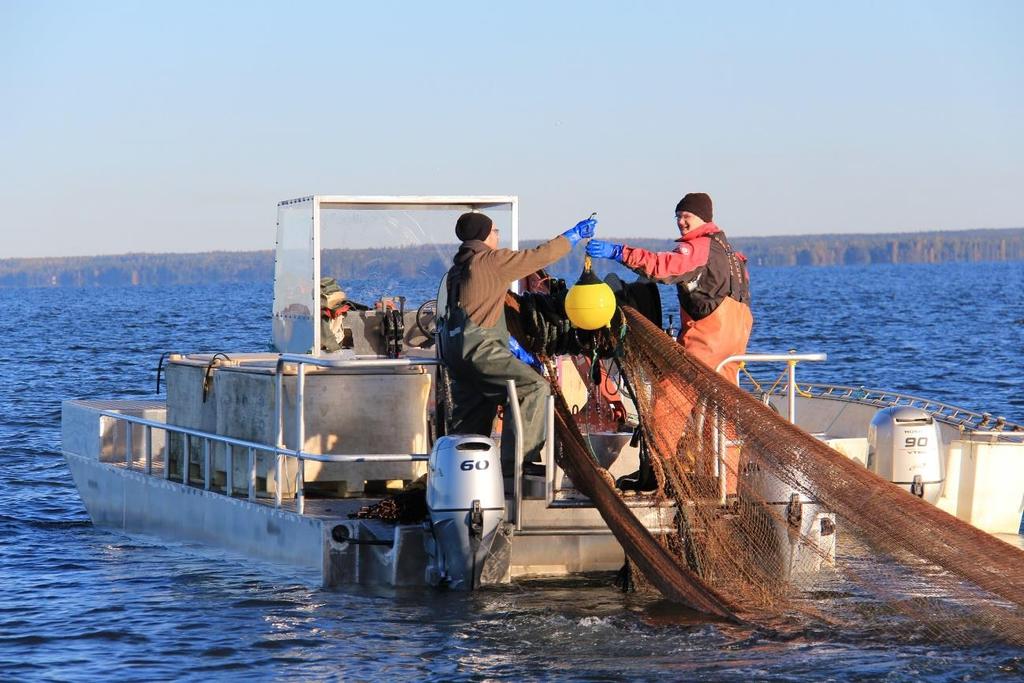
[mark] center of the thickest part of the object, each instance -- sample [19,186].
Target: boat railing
[300,362]
[720,445]
[550,501]
[989,436]
[792,359]
[966,420]
[230,444]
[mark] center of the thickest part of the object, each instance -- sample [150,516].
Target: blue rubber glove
[599,249]
[522,354]
[580,231]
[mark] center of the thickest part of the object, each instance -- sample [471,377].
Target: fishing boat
[273,456]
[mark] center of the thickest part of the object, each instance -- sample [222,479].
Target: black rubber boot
[534,469]
[624,578]
[643,480]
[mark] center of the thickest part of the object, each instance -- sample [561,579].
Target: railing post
[279,401]
[186,459]
[300,408]
[300,436]
[700,415]
[252,474]
[229,466]
[206,464]
[549,449]
[278,457]
[128,433]
[167,454]
[278,475]
[149,450]
[517,468]
[723,442]
[791,389]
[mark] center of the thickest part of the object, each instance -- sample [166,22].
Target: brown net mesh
[795,530]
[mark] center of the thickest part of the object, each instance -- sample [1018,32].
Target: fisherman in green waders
[474,340]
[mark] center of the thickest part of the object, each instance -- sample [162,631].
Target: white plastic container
[991,491]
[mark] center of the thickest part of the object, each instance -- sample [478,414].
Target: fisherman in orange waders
[714,300]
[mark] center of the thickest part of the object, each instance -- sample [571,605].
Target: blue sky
[151,126]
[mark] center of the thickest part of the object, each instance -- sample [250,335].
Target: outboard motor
[466,500]
[904,446]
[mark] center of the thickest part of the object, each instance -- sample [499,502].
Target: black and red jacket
[704,268]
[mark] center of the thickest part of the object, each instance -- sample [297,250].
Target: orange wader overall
[714,296]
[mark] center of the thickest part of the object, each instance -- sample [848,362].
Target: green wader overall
[479,363]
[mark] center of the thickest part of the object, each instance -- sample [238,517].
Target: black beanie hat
[473,226]
[697,203]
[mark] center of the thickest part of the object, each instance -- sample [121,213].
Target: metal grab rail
[354,362]
[993,437]
[549,474]
[231,442]
[953,415]
[300,362]
[791,358]
[517,468]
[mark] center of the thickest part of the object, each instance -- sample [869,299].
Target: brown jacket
[481,275]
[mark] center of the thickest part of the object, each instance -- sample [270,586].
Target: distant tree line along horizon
[430,262]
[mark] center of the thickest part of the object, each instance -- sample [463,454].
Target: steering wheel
[426,318]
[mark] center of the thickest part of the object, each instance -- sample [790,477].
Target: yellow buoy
[590,304]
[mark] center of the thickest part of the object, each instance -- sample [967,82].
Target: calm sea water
[83,603]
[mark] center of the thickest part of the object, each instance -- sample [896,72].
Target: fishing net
[794,529]
[408,506]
